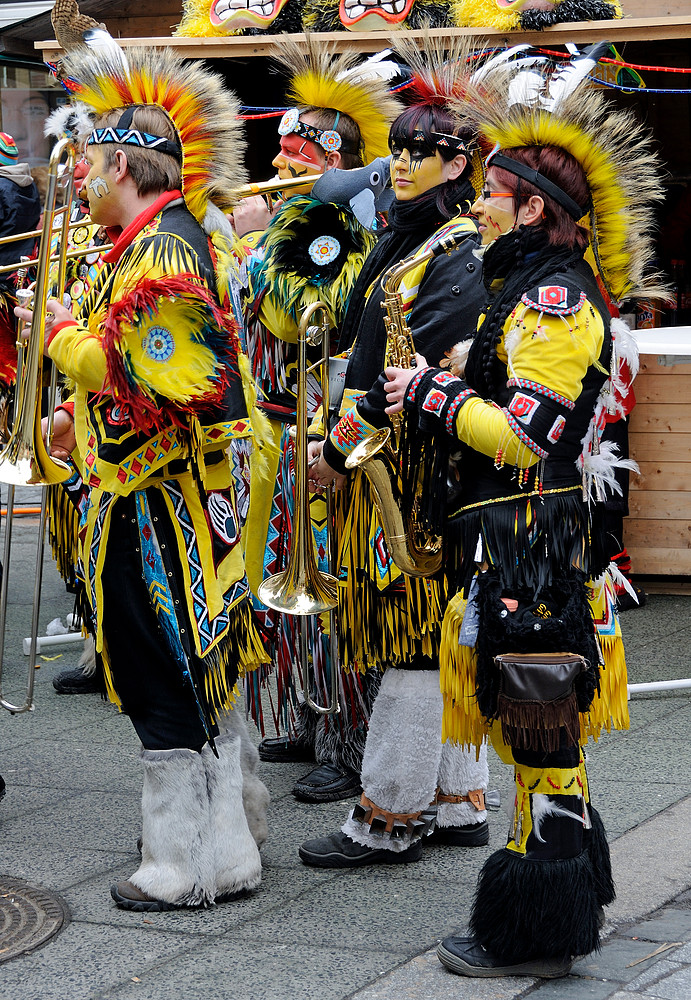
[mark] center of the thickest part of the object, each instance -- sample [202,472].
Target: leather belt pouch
[537,699]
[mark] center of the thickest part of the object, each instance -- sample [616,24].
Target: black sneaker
[471,835]
[339,851]
[283,750]
[76,682]
[3,788]
[466,957]
[327,783]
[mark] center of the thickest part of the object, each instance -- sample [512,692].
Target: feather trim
[167,347]
[202,109]
[321,79]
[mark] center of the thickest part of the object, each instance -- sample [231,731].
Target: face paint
[98,186]
[413,172]
[306,157]
[495,215]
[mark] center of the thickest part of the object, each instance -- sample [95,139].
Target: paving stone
[570,986]
[613,963]
[669,925]
[675,986]
[658,970]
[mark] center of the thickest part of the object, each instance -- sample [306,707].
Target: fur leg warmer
[236,861]
[403,749]
[461,771]
[527,909]
[177,857]
[255,794]
[340,740]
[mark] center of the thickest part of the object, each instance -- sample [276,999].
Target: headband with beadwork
[329,139]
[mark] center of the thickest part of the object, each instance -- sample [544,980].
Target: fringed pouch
[537,699]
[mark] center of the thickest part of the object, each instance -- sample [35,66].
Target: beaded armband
[437,395]
[537,415]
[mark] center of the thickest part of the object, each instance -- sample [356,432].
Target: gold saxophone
[414,549]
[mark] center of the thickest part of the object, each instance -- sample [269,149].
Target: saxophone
[414,549]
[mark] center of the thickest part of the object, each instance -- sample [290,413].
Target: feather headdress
[203,111]
[515,107]
[319,78]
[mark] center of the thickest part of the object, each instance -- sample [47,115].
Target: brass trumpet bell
[296,591]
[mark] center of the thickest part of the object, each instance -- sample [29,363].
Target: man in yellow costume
[159,395]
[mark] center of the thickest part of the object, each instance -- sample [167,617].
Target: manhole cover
[28,917]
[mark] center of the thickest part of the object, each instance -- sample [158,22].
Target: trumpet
[302,589]
[276,186]
[25,459]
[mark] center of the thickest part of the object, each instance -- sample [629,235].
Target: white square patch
[523,407]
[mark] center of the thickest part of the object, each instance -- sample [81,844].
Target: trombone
[302,589]
[25,458]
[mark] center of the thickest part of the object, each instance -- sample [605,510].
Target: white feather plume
[543,806]
[570,76]
[103,43]
[496,61]
[73,120]
[525,88]
[378,67]
[599,468]
[626,345]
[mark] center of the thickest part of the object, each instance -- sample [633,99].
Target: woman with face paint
[391,621]
[531,648]
[310,251]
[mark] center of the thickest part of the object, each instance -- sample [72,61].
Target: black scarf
[410,224]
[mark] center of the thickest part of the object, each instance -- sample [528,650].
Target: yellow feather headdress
[320,79]
[203,111]
[514,106]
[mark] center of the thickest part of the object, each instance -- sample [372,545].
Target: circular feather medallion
[324,249]
[159,344]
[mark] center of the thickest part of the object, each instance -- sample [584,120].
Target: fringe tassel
[391,617]
[610,707]
[462,722]
[241,651]
[527,909]
[598,851]
[537,725]
[63,531]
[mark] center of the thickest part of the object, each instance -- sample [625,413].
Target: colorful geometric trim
[350,430]
[543,390]
[133,137]
[553,310]
[413,384]
[455,407]
[208,630]
[97,538]
[522,436]
[156,453]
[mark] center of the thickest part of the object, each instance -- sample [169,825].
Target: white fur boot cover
[460,773]
[177,857]
[403,749]
[236,856]
[255,794]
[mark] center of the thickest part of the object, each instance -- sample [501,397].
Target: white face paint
[98,186]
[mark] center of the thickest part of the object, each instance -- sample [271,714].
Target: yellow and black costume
[159,396]
[531,648]
[312,250]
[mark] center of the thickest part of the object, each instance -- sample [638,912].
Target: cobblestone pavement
[70,821]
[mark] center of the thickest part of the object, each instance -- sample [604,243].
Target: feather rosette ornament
[167,345]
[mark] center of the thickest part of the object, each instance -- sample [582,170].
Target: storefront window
[27,96]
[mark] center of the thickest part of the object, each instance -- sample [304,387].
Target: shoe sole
[339,861]
[537,970]
[285,758]
[142,905]
[455,839]
[324,796]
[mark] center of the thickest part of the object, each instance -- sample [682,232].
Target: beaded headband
[329,139]
[124,135]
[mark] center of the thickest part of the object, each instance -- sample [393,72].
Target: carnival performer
[159,394]
[531,648]
[308,252]
[393,618]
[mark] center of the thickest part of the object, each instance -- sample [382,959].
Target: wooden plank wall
[657,533]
